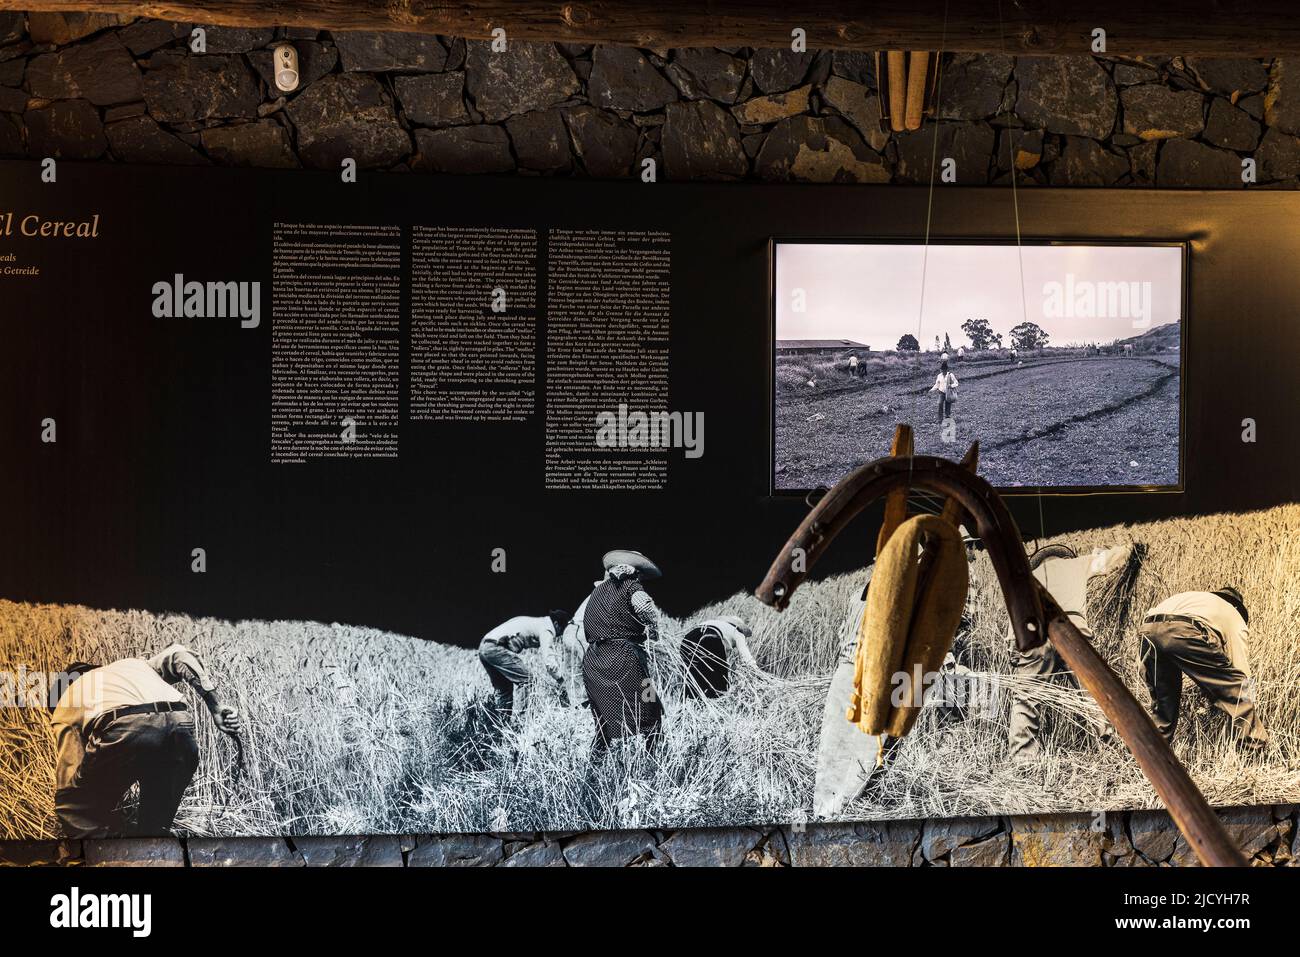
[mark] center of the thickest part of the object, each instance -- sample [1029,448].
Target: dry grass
[354,730]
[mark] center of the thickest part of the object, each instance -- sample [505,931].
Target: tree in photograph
[947,343]
[907,343]
[979,332]
[1028,335]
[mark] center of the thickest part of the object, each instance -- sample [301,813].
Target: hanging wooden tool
[909,623]
[919,582]
[1034,615]
[908,86]
[847,758]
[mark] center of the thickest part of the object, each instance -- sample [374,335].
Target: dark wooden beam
[1205,27]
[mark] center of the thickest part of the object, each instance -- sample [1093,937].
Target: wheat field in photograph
[352,730]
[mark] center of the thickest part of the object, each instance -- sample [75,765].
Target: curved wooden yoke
[864,485]
[1035,617]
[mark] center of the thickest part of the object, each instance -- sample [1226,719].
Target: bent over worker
[125,723]
[1201,634]
[499,653]
[713,652]
[1066,576]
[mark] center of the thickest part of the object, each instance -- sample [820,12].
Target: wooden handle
[895,501]
[918,68]
[897,89]
[952,510]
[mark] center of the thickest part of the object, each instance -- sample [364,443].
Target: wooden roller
[897,61]
[914,605]
[918,68]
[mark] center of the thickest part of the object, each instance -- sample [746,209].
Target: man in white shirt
[945,383]
[122,724]
[499,653]
[853,366]
[1201,634]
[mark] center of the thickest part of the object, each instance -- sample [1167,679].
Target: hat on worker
[626,556]
[1233,598]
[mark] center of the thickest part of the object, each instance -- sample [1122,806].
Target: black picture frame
[1184,312]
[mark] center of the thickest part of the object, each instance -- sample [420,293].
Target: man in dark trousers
[1201,634]
[126,723]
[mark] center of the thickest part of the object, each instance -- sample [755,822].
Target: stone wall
[96,87]
[1138,839]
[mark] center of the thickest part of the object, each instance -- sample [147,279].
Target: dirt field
[1051,420]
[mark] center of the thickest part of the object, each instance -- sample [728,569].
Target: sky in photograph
[872,293]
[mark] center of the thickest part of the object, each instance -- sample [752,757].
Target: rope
[1020,249]
[929,211]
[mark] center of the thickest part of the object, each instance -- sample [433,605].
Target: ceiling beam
[1133,27]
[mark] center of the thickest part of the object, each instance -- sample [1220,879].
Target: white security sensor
[286,67]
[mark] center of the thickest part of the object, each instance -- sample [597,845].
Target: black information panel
[411,398]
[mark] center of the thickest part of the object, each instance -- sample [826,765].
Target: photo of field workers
[1069,378]
[1031,414]
[332,729]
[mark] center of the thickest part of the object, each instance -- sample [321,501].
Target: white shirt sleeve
[169,661]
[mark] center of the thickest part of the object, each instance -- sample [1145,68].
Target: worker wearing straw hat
[1203,635]
[620,618]
[123,724]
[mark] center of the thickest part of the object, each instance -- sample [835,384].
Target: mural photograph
[620,715]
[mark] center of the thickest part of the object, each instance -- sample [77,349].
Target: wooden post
[896,500]
[1226,28]
[897,88]
[918,70]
